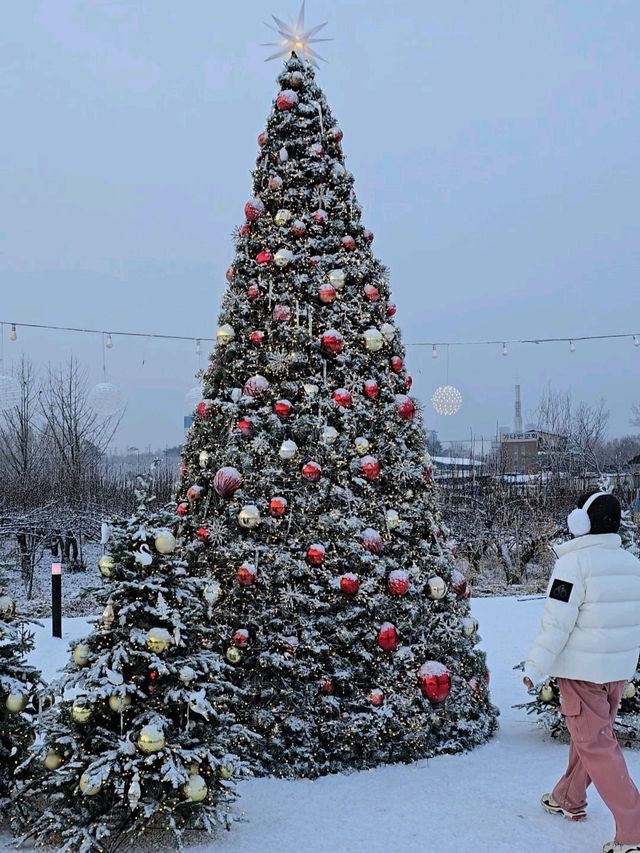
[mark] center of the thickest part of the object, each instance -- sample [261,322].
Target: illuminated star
[294,37]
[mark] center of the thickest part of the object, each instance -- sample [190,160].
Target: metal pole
[56,600]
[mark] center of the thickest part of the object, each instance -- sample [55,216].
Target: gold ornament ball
[234,655]
[546,693]
[337,278]
[106,564]
[89,788]
[158,640]
[81,713]
[225,771]
[225,334]
[118,703]
[249,516]
[16,703]
[53,760]
[165,542]
[437,588]
[196,789]
[629,691]
[81,654]
[282,217]
[151,739]
[373,339]
[393,518]
[7,606]
[362,445]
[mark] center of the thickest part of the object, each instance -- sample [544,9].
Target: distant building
[524,452]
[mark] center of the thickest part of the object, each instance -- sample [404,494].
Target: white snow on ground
[482,802]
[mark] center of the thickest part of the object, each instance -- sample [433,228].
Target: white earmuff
[578,520]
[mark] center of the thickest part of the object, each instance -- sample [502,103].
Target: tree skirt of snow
[486,801]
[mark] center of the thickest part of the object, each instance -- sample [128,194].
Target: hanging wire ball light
[10,394]
[446,400]
[192,398]
[106,399]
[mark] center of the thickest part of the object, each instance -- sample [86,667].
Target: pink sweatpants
[594,755]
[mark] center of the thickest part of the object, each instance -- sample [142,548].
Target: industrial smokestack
[518,417]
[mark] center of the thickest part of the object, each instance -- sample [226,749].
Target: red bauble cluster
[370,467]
[281,313]
[244,427]
[342,397]
[435,681]
[311,472]
[348,243]
[283,408]
[246,574]
[257,337]
[371,389]
[405,407]
[372,541]
[316,554]
[227,481]
[396,363]
[388,637]
[349,583]
[332,342]
[287,100]
[264,257]
[277,507]
[371,292]
[326,293]
[205,409]
[398,582]
[240,638]
[253,209]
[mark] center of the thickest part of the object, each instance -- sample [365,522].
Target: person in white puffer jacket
[589,640]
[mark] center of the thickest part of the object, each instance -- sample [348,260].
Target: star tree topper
[296,38]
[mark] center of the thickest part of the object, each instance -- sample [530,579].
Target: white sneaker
[612,847]
[550,805]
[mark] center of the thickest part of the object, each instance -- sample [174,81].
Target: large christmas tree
[307,488]
[139,740]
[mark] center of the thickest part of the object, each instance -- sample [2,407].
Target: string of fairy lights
[107,399]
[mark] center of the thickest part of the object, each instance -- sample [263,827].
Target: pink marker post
[56,600]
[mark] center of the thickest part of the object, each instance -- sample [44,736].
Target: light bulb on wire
[572,346]
[434,352]
[505,351]
[14,332]
[636,341]
[109,342]
[198,347]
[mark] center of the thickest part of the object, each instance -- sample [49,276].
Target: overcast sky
[495,149]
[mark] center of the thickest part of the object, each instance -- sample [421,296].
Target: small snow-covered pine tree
[308,491]
[140,738]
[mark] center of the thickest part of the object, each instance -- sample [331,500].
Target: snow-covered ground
[483,802]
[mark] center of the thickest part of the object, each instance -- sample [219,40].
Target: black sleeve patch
[561,590]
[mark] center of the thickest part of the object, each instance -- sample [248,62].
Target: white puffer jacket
[591,624]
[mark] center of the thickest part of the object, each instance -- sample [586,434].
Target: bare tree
[21,447]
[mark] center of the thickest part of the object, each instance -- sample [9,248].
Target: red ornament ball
[262,139]
[316,554]
[230,274]
[275,183]
[311,472]
[255,386]
[205,409]
[182,509]
[298,228]
[277,507]
[370,467]
[376,697]
[320,216]
[348,243]
[372,541]
[435,681]
[459,583]
[391,309]
[281,313]
[316,150]
[245,229]
[427,472]
[398,582]
[408,382]
[246,574]
[368,235]
[193,493]
[287,100]
[405,407]
[341,397]
[183,469]
[244,427]
[336,134]
[371,389]
[332,341]
[315,260]
[349,583]
[388,637]
[253,291]
[283,408]
[326,687]
[240,638]
[203,534]
[326,294]
[264,257]
[227,481]
[253,209]
[395,362]
[371,292]
[257,337]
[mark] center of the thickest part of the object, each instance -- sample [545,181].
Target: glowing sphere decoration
[361,445]
[264,257]
[151,739]
[10,393]
[446,400]
[165,542]
[195,789]
[158,640]
[546,693]
[629,691]
[81,654]
[437,588]
[106,564]
[257,337]
[240,638]
[15,703]
[469,626]
[283,216]
[105,398]
[435,681]
[298,228]
[88,786]
[53,760]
